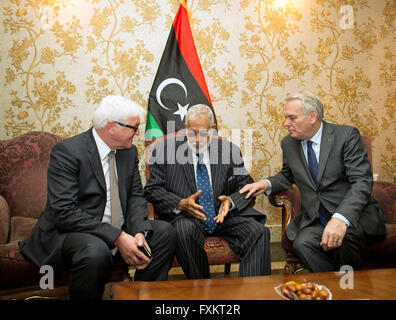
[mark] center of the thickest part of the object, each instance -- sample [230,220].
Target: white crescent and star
[182,109]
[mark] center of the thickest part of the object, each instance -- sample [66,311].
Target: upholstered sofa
[23,193]
[381,254]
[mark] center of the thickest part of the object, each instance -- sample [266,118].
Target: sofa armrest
[385,194]
[290,202]
[4,220]
[151,211]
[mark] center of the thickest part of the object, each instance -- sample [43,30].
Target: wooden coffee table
[367,284]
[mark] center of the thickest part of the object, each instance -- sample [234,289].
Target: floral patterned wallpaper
[59,58]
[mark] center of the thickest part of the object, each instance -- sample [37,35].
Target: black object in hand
[145,251]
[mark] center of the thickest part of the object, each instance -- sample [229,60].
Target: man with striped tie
[329,165]
[194,182]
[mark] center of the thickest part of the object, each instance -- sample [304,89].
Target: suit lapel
[94,159]
[215,156]
[188,169]
[325,146]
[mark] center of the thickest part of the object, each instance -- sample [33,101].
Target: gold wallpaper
[59,58]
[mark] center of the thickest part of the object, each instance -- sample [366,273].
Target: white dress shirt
[104,151]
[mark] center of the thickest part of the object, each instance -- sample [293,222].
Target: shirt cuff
[269,189]
[232,204]
[341,217]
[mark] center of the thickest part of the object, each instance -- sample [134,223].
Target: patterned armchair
[216,248]
[23,193]
[379,255]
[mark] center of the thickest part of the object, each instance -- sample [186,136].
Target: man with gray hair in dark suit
[96,213]
[194,182]
[329,165]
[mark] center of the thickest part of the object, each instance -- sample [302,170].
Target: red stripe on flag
[187,48]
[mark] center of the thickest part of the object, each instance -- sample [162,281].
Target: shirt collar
[205,157]
[103,148]
[318,135]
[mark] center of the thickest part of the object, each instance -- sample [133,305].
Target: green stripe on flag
[152,128]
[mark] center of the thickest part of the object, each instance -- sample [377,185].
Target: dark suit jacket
[77,198]
[344,180]
[172,176]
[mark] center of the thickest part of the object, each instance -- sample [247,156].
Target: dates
[303,290]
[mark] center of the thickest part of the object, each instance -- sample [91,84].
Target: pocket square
[231,178]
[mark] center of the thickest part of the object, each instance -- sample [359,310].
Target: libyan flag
[179,82]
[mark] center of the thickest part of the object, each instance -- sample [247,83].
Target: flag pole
[189,14]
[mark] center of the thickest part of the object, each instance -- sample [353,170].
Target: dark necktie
[312,162]
[206,197]
[324,215]
[115,203]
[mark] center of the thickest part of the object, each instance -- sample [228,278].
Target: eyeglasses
[135,128]
[201,133]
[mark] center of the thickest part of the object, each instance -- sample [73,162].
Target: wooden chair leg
[227,268]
